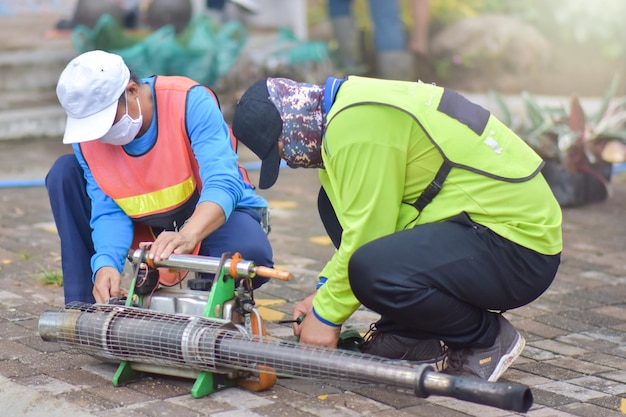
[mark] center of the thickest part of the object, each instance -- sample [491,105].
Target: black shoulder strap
[434,187]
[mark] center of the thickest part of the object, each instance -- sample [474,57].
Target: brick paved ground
[573,362]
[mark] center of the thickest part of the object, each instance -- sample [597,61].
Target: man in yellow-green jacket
[440,214]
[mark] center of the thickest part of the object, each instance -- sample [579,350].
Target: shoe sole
[507,360]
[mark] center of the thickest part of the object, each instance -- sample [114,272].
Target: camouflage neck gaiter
[301,109]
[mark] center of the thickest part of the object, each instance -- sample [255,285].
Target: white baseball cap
[89,89]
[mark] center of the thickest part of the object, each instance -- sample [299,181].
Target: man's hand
[311,330]
[206,218]
[107,284]
[167,243]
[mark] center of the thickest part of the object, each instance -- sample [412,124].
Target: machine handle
[503,395]
[264,271]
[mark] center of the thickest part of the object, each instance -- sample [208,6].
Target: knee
[362,273]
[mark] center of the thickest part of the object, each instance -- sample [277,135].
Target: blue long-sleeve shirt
[221,180]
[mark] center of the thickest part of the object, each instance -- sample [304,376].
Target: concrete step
[35,69]
[32,56]
[28,103]
[36,122]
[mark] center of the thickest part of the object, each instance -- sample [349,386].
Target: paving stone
[522,377]
[10,349]
[284,410]
[80,377]
[119,412]
[11,330]
[603,359]
[593,278]
[311,405]
[615,311]
[430,410]
[610,335]
[18,400]
[12,314]
[540,329]
[396,397]
[161,408]
[46,384]
[119,396]
[558,348]
[586,342]
[548,412]
[13,368]
[207,405]
[593,319]
[615,376]
[86,400]
[313,388]
[619,351]
[612,293]
[590,410]
[599,384]
[549,371]
[470,409]
[578,299]
[550,399]
[538,354]
[611,403]
[587,368]
[566,324]
[49,362]
[349,403]
[563,387]
[528,311]
[529,337]
[161,387]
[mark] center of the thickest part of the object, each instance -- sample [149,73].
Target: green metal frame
[222,291]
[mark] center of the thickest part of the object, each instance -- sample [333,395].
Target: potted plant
[579,149]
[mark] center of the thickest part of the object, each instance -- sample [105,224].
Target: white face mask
[124,131]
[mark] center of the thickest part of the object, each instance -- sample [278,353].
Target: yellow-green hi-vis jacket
[386,142]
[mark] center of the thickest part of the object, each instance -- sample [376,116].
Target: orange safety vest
[161,187]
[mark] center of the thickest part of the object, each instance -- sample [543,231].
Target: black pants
[443,280]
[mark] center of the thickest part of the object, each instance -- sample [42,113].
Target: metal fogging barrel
[215,345]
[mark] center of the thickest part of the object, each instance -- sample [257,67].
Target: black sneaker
[488,363]
[392,346]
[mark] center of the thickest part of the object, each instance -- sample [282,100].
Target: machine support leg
[222,290]
[124,374]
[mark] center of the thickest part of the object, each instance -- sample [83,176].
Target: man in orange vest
[153,160]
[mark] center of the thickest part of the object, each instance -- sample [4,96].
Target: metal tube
[311,361]
[195,263]
[201,343]
[210,264]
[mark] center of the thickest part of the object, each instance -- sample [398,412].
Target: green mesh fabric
[201,52]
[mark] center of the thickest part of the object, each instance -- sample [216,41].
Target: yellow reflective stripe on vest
[157,201]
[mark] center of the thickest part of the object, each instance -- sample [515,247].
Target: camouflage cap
[281,109]
[301,109]
[257,124]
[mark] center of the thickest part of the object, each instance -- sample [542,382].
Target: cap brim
[89,128]
[269,168]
